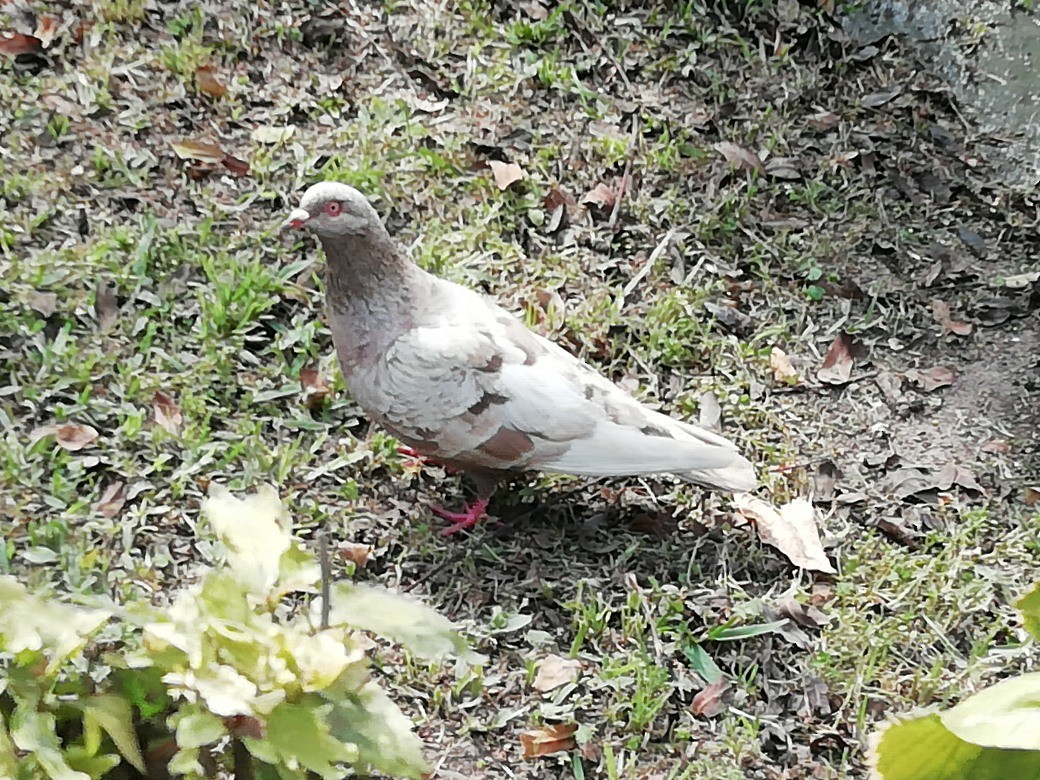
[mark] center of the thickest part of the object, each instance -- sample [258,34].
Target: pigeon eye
[333,208]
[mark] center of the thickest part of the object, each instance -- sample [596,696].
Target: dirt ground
[784,185]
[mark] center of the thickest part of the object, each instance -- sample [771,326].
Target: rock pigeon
[462,381]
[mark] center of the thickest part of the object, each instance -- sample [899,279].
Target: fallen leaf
[236,166]
[269,134]
[203,151]
[972,240]
[824,120]
[791,529]
[1018,281]
[739,157]
[941,313]
[875,99]
[315,389]
[548,739]
[69,436]
[167,414]
[837,365]
[931,379]
[505,173]
[46,303]
[208,83]
[995,446]
[555,671]
[710,415]
[535,10]
[788,168]
[656,524]
[952,474]
[1032,496]
[16,43]
[46,29]
[112,500]
[803,614]
[895,531]
[783,371]
[356,552]
[601,195]
[708,701]
[105,305]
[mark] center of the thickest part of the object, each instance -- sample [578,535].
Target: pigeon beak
[296,220]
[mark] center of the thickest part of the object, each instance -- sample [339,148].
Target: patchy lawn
[785,186]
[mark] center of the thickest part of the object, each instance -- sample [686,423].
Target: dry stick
[326,577]
[629,156]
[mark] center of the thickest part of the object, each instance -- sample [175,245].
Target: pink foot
[469,517]
[411,452]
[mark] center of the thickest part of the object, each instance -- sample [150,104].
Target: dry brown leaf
[13,43]
[112,500]
[791,529]
[601,195]
[208,83]
[708,701]
[837,365]
[931,378]
[535,10]
[783,371]
[202,151]
[824,120]
[46,303]
[995,446]
[803,614]
[548,739]
[1032,496]
[69,436]
[236,166]
[46,29]
[739,157]
[555,671]
[167,414]
[356,552]
[941,313]
[315,389]
[505,173]
[105,305]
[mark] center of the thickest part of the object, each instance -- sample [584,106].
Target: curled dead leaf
[315,389]
[13,44]
[202,151]
[942,315]
[549,739]
[208,83]
[930,379]
[805,615]
[837,364]
[235,166]
[739,157]
[555,671]
[791,529]
[69,436]
[356,552]
[1031,497]
[824,120]
[46,303]
[600,196]
[168,415]
[782,369]
[708,701]
[112,500]
[46,29]
[505,173]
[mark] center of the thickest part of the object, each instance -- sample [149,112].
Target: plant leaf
[35,732]
[299,733]
[383,735]
[1005,715]
[923,749]
[1029,606]
[115,716]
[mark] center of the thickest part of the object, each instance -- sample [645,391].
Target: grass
[219,312]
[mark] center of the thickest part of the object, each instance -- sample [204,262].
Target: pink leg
[469,517]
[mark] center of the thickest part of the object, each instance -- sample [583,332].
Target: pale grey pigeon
[460,380]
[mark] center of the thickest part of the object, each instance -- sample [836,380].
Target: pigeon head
[332,209]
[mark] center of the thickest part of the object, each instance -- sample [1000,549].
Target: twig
[242,768]
[641,274]
[326,577]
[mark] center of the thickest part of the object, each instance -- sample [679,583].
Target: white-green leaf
[1005,715]
[383,735]
[255,531]
[923,749]
[298,734]
[196,727]
[395,616]
[34,732]
[1029,606]
[114,715]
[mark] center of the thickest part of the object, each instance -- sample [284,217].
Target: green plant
[993,734]
[85,690]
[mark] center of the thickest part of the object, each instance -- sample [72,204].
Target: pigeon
[460,380]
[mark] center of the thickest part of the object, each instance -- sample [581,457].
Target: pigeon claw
[467,518]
